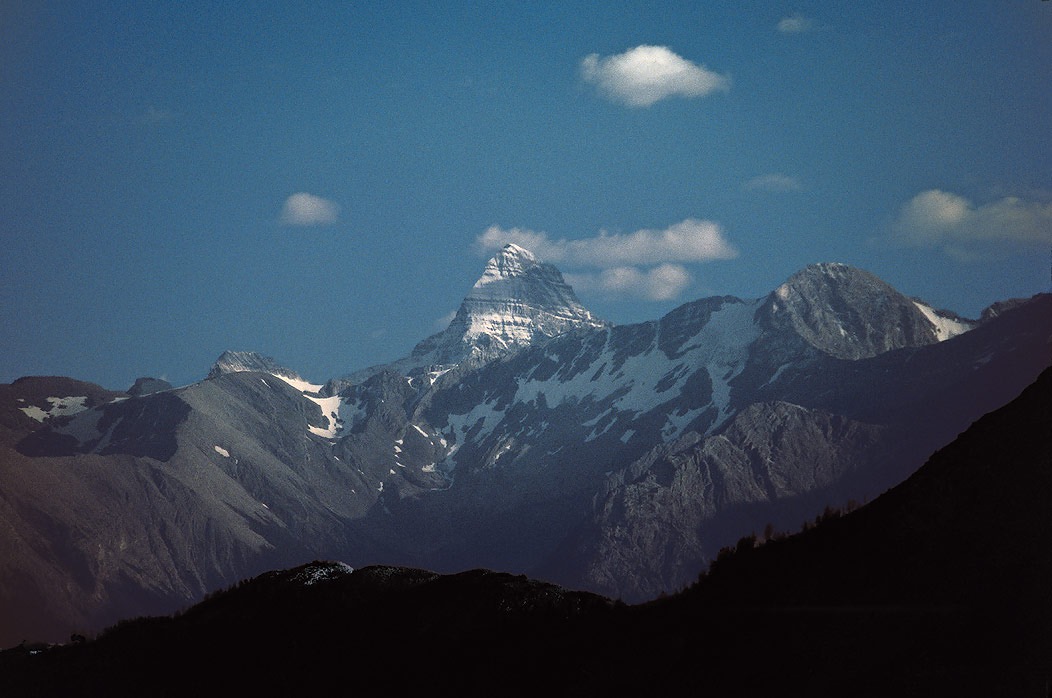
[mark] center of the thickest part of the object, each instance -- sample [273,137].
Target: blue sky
[323,182]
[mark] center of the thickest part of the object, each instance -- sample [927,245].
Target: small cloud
[775,182]
[647,74]
[644,264]
[796,24]
[950,222]
[660,283]
[303,209]
[690,240]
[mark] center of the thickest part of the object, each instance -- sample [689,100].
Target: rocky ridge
[617,459]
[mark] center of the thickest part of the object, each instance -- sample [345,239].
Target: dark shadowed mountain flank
[936,588]
[528,437]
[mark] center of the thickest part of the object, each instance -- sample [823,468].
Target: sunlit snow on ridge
[721,346]
[945,327]
[331,407]
[300,384]
[632,388]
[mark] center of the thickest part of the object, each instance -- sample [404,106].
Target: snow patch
[331,407]
[480,414]
[35,412]
[300,384]
[945,327]
[433,376]
[60,407]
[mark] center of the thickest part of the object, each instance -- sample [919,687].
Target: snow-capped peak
[518,301]
[512,260]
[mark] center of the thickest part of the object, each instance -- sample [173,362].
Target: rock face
[847,313]
[528,437]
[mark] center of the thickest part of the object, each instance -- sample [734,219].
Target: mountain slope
[848,313]
[958,554]
[617,459]
[936,588]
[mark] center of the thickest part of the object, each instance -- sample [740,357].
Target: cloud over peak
[940,219]
[646,263]
[303,209]
[646,74]
[690,240]
[661,283]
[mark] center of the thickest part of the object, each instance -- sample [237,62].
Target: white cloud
[664,282]
[647,74]
[774,182]
[690,240]
[796,24]
[307,209]
[644,264]
[940,219]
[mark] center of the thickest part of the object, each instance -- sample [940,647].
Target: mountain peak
[847,312]
[512,261]
[518,300]
[239,361]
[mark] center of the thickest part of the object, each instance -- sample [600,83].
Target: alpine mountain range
[528,437]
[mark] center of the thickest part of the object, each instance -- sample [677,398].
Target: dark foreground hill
[937,588]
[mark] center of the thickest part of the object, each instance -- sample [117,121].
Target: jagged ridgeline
[527,437]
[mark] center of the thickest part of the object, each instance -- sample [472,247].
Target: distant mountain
[936,588]
[847,313]
[528,437]
[146,385]
[249,362]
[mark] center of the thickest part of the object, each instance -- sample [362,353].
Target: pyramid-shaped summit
[849,313]
[519,300]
